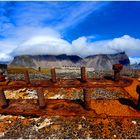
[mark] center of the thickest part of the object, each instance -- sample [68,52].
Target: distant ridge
[99,62]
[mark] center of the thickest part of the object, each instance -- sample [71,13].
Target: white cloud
[34,28]
[5,57]
[125,43]
[76,15]
[33,41]
[6,48]
[56,15]
[134,60]
[38,40]
[83,48]
[44,45]
[30,27]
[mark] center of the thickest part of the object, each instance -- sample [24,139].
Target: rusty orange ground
[100,108]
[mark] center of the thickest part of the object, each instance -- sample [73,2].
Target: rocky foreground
[13,127]
[72,127]
[58,127]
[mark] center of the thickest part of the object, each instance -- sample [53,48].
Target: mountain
[105,61]
[47,60]
[101,61]
[135,66]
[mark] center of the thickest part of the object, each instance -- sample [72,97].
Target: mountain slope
[101,61]
[105,61]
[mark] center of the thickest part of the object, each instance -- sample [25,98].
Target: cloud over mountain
[36,41]
[36,28]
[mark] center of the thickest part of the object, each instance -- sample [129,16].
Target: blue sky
[81,28]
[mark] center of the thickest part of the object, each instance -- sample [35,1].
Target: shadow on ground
[129,102]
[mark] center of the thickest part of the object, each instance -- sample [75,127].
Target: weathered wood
[3,101]
[53,75]
[27,78]
[83,74]
[41,98]
[117,68]
[87,99]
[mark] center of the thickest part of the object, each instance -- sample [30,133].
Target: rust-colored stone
[41,98]
[53,75]
[66,83]
[83,74]
[3,101]
[68,108]
[87,99]
[54,107]
[117,68]
[27,78]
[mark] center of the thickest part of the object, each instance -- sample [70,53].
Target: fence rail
[84,82]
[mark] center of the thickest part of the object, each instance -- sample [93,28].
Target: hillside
[101,61]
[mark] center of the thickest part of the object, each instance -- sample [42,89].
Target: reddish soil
[114,118]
